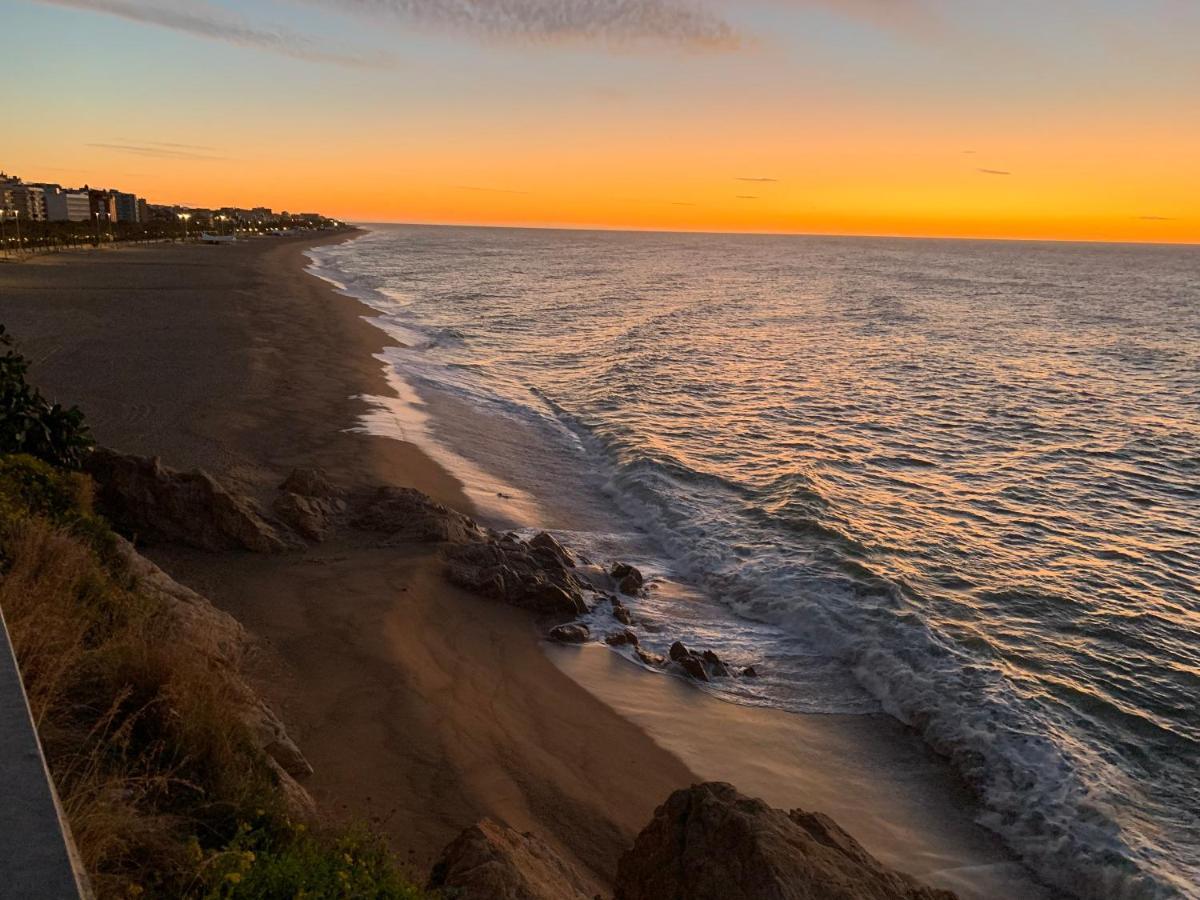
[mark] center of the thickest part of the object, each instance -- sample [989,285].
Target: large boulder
[489,861]
[510,570]
[141,496]
[709,842]
[406,514]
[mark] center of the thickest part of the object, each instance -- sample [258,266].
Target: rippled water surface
[958,481]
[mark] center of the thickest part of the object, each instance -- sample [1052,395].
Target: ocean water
[956,482]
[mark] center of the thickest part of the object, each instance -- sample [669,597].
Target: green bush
[277,860]
[29,423]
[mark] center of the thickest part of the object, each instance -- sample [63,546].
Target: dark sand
[420,707]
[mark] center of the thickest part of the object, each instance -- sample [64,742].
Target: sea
[954,482]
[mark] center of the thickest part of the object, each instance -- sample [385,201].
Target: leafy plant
[29,423]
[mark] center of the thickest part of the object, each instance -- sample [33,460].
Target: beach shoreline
[423,708]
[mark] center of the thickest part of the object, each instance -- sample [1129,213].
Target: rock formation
[310,504]
[709,842]
[489,861]
[406,514]
[141,496]
[515,572]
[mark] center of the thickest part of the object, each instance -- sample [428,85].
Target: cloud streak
[679,22]
[211,23]
[993,172]
[760,180]
[159,150]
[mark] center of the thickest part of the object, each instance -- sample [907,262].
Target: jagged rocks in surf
[628,579]
[575,633]
[544,544]
[716,666]
[507,569]
[620,611]
[621,638]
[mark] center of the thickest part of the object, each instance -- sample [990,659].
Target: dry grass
[164,790]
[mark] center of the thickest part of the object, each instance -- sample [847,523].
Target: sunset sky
[1075,119]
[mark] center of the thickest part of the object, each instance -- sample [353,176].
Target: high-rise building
[126,206]
[101,205]
[65,205]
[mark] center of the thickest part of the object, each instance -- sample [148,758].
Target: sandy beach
[423,708]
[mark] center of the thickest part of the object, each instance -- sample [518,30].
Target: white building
[66,206]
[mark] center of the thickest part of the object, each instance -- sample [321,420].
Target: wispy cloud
[746,197]
[1156,218]
[759,180]
[993,172]
[160,150]
[206,21]
[680,22]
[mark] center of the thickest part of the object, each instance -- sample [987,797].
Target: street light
[184,218]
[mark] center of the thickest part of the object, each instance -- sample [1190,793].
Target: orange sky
[876,132]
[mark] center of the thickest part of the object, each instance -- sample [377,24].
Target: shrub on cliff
[29,423]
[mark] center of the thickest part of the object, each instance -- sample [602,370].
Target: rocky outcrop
[628,579]
[516,572]
[622,638]
[220,639]
[141,496]
[406,514]
[575,633]
[489,861]
[709,842]
[544,543]
[310,503]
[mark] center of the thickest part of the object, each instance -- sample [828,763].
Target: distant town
[42,216]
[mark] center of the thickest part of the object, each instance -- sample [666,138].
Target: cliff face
[195,623]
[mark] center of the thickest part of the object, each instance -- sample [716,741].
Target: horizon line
[816,234]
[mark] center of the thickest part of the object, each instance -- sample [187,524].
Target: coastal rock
[650,658]
[749,672]
[620,611]
[406,514]
[575,633]
[693,667]
[628,579]
[679,651]
[141,496]
[716,667]
[489,861]
[709,842]
[622,638]
[543,543]
[311,483]
[506,569]
[311,517]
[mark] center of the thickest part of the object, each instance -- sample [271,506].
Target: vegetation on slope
[164,789]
